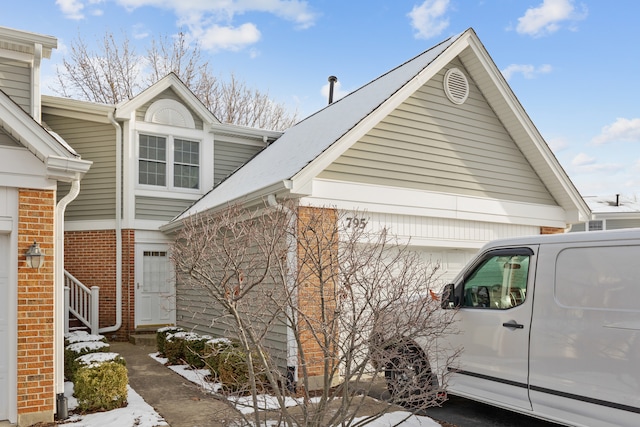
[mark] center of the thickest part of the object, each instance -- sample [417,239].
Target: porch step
[143,338]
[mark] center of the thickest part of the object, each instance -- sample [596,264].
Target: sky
[572,64]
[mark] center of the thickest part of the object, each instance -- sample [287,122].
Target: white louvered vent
[456,86]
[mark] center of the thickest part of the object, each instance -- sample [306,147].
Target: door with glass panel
[155,286]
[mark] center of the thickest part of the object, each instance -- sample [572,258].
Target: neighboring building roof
[307,148]
[616,204]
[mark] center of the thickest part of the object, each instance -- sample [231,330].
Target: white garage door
[4,327]
[450,261]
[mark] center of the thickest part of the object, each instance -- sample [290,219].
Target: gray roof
[309,138]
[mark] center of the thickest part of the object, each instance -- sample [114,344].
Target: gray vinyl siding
[95,142]
[429,143]
[7,140]
[616,224]
[168,94]
[161,209]
[229,156]
[15,81]
[578,227]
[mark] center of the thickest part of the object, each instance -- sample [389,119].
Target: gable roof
[171,80]
[62,162]
[311,145]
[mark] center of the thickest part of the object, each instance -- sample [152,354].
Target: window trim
[169,162]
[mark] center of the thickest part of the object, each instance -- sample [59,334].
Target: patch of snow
[169,328]
[93,359]
[196,376]
[86,345]
[82,336]
[137,413]
[215,341]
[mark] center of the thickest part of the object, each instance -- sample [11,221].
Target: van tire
[409,378]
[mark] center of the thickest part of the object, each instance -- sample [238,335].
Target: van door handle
[513,325]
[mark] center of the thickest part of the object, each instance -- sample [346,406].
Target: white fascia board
[244,131]
[402,201]
[125,109]
[83,110]
[301,179]
[84,225]
[27,39]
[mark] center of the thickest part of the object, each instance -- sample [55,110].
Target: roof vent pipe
[617,199]
[332,82]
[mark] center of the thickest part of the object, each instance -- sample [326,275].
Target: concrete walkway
[180,402]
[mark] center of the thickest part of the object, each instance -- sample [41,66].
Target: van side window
[499,282]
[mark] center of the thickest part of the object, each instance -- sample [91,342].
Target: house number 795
[356,222]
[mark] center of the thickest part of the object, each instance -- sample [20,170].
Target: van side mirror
[449,299]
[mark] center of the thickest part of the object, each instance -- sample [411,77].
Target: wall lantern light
[34,256]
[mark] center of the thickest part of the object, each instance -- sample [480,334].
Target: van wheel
[409,378]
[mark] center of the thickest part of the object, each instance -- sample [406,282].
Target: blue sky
[572,64]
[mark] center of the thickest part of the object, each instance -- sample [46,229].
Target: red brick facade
[551,230]
[91,257]
[317,252]
[35,310]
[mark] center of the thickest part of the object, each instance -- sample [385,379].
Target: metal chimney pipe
[617,199]
[332,81]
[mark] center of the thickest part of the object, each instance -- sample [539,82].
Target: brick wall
[35,311]
[551,230]
[317,270]
[91,257]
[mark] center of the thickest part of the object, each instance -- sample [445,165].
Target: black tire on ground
[409,379]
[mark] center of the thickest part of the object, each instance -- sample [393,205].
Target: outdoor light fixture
[34,256]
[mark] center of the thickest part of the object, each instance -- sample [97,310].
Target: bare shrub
[321,304]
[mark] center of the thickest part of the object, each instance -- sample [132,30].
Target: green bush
[161,336]
[214,350]
[75,350]
[233,370]
[175,346]
[194,351]
[101,382]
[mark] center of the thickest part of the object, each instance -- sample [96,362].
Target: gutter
[118,230]
[58,372]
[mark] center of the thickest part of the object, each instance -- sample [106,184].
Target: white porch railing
[82,302]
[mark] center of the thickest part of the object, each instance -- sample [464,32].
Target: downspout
[292,261]
[118,228]
[58,373]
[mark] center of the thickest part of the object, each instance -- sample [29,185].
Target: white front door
[155,286]
[4,327]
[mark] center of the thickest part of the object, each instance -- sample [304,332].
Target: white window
[595,225]
[169,162]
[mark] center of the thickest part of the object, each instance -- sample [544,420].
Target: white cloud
[72,9]
[622,129]
[212,23]
[548,17]
[558,144]
[217,37]
[428,19]
[584,163]
[527,70]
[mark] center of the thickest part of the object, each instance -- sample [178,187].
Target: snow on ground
[245,403]
[137,413]
[140,414]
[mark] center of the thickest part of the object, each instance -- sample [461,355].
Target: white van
[550,327]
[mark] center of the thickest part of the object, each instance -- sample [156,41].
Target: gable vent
[456,86]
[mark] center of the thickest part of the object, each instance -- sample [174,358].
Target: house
[439,150]
[153,156]
[33,161]
[610,213]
